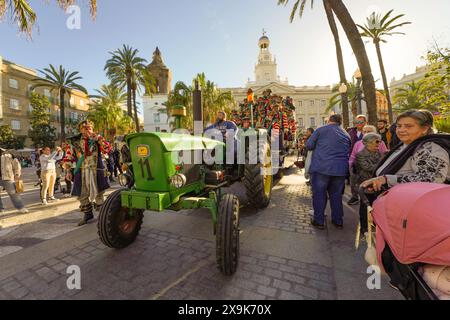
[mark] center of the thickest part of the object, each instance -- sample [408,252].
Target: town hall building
[311,101]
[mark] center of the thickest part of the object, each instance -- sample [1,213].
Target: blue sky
[219,38]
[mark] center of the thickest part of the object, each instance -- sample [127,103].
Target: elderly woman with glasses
[365,163]
[358,147]
[421,157]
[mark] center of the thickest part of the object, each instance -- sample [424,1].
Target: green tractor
[159,178]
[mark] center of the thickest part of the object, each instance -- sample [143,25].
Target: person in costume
[90,179]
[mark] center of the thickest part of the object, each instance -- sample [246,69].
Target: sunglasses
[377,141]
[360,122]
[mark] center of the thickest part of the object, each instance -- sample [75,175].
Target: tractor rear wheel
[118,227]
[227,234]
[258,182]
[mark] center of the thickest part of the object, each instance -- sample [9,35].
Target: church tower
[266,68]
[156,118]
[161,73]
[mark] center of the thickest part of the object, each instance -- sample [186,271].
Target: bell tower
[266,68]
[161,73]
[156,118]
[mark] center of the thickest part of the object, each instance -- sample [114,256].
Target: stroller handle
[363,195]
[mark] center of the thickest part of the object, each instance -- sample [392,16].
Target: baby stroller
[413,239]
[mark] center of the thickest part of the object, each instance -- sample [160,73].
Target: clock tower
[266,68]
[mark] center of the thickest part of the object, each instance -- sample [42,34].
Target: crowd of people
[87,163]
[373,158]
[366,156]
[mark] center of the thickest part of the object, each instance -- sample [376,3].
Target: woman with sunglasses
[357,148]
[365,163]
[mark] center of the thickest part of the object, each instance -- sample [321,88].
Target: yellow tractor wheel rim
[268,179]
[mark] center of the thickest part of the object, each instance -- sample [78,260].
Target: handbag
[300,163]
[20,186]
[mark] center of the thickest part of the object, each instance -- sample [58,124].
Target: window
[47,93]
[156,118]
[324,121]
[73,116]
[311,103]
[312,121]
[13,83]
[158,129]
[323,103]
[72,100]
[15,124]
[30,108]
[14,104]
[82,103]
[300,103]
[300,122]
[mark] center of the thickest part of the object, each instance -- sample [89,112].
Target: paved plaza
[282,256]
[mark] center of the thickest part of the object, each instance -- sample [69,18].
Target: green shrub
[443,125]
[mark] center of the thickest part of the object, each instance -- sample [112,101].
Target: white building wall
[151,106]
[1,90]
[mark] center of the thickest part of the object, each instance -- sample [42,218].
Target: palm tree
[106,111]
[142,78]
[213,99]
[355,40]
[63,82]
[352,97]
[376,28]
[23,14]
[331,21]
[122,68]
[408,97]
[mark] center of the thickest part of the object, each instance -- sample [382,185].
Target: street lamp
[343,90]
[358,77]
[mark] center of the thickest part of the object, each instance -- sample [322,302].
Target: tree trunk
[62,115]
[359,50]
[340,60]
[129,103]
[385,83]
[136,118]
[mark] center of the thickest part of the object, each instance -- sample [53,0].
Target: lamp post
[343,89]
[358,77]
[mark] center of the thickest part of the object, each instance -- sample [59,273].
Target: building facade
[311,101]
[418,75]
[15,108]
[155,117]
[382,107]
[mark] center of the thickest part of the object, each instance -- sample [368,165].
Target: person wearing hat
[10,172]
[90,179]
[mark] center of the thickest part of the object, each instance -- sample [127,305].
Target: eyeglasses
[378,141]
[360,122]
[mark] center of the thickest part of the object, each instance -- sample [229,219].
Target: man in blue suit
[329,168]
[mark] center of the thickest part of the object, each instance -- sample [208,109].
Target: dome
[264,42]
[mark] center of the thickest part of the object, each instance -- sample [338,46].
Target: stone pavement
[282,257]
[18,231]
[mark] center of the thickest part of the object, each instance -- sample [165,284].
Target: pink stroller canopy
[414,220]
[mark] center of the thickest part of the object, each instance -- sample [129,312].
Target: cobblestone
[158,259]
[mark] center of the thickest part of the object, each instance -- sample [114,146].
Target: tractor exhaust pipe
[197,110]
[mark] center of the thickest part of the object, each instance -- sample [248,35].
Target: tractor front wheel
[227,235]
[118,226]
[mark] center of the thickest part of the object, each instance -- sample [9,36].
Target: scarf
[443,140]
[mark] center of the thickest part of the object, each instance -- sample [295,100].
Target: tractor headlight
[178,180]
[125,180]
